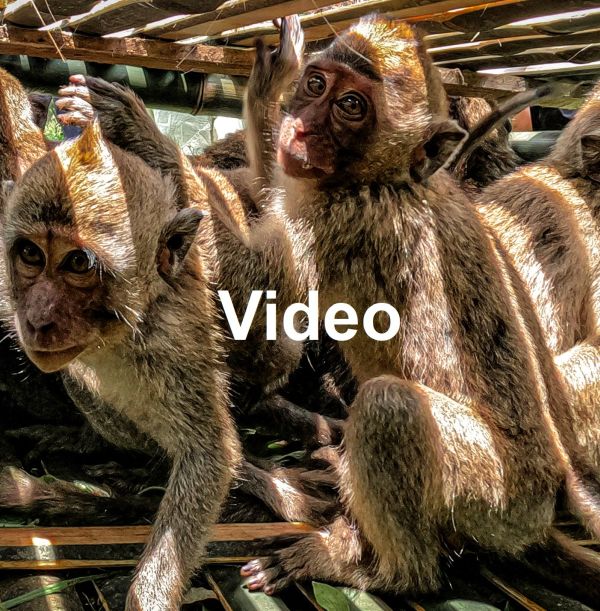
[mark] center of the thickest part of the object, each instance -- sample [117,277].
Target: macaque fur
[21,140]
[107,281]
[545,215]
[259,367]
[458,433]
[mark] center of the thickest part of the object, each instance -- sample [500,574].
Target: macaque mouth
[298,165]
[53,360]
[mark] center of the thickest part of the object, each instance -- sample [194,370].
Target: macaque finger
[291,45]
[75,91]
[263,578]
[76,105]
[74,118]
[256,565]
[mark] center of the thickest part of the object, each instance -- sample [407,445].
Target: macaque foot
[286,562]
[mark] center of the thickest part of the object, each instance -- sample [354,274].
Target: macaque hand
[74,103]
[283,62]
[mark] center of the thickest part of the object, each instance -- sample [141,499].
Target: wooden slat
[132,51]
[578,56]
[512,46]
[43,12]
[233,14]
[320,25]
[108,535]
[112,16]
[495,17]
[511,592]
[552,71]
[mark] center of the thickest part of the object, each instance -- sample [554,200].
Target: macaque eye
[352,105]
[79,262]
[30,253]
[316,85]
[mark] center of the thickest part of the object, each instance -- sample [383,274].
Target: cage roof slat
[324,24]
[133,51]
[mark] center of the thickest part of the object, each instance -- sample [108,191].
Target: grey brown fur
[546,217]
[152,353]
[458,433]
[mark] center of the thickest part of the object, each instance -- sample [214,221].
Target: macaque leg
[272,73]
[283,491]
[409,473]
[288,419]
[580,367]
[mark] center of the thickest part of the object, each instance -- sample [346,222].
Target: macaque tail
[506,109]
[563,563]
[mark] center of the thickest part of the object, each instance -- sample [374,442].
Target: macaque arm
[189,507]
[124,121]
[272,74]
[284,417]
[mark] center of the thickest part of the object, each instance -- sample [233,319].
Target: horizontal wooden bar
[62,565]
[107,535]
[131,51]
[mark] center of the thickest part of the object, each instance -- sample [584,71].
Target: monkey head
[369,106]
[577,150]
[92,237]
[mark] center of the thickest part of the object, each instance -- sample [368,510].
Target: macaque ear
[589,151]
[438,150]
[175,241]
[90,144]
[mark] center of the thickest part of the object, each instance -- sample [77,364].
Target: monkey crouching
[106,282]
[458,435]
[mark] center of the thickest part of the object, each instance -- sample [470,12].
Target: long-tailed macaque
[459,435]
[258,366]
[545,215]
[108,282]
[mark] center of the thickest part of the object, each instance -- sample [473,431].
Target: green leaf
[460,605]
[330,598]
[46,591]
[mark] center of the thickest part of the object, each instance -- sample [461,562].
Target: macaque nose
[40,327]
[300,131]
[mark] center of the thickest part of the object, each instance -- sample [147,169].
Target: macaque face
[331,119]
[60,299]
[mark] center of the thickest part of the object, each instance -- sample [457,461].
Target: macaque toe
[256,566]
[329,455]
[266,574]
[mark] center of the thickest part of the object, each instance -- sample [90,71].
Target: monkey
[125,122]
[457,436]
[544,215]
[229,153]
[106,281]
